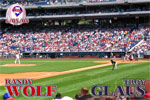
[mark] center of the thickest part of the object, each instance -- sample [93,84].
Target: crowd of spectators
[27,2]
[132,39]
[96,1]
[48,2]
[143,47]
[73,40]
[145,44]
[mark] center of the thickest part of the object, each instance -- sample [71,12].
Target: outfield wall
[75,55]
[69,55]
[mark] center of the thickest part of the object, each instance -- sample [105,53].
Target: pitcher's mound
[18,65]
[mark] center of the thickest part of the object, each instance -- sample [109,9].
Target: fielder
[114,63]
[17,58]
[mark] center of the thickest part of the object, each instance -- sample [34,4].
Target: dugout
[73,55]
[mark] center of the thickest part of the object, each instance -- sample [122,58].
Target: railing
[87,15]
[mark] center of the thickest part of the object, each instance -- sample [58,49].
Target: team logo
[16,15]
[17,10]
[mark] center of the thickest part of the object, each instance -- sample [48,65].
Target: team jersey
[17,56]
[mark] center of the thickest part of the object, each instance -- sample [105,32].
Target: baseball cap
[147,95]
[10,98]
[66,98]
[6,96]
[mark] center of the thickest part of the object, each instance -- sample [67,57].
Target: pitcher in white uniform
[17,58]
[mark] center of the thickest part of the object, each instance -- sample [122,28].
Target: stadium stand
[49,2]
[75,40]
[77,26]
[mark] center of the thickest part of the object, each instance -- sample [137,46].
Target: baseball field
[70,75]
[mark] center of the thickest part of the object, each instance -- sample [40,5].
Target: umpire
[114,63]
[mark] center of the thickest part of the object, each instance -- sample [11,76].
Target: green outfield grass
[70,84]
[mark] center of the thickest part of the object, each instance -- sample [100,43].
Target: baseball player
[114,63]
[17,58]
[131,57]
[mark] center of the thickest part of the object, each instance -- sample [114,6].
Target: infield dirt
[18,65]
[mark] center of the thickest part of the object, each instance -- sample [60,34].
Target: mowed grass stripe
[70,84]
[99,79]
[109,80]
[100,71]
[76,85]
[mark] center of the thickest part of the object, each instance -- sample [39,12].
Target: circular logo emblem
[16,15]
[17,10]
